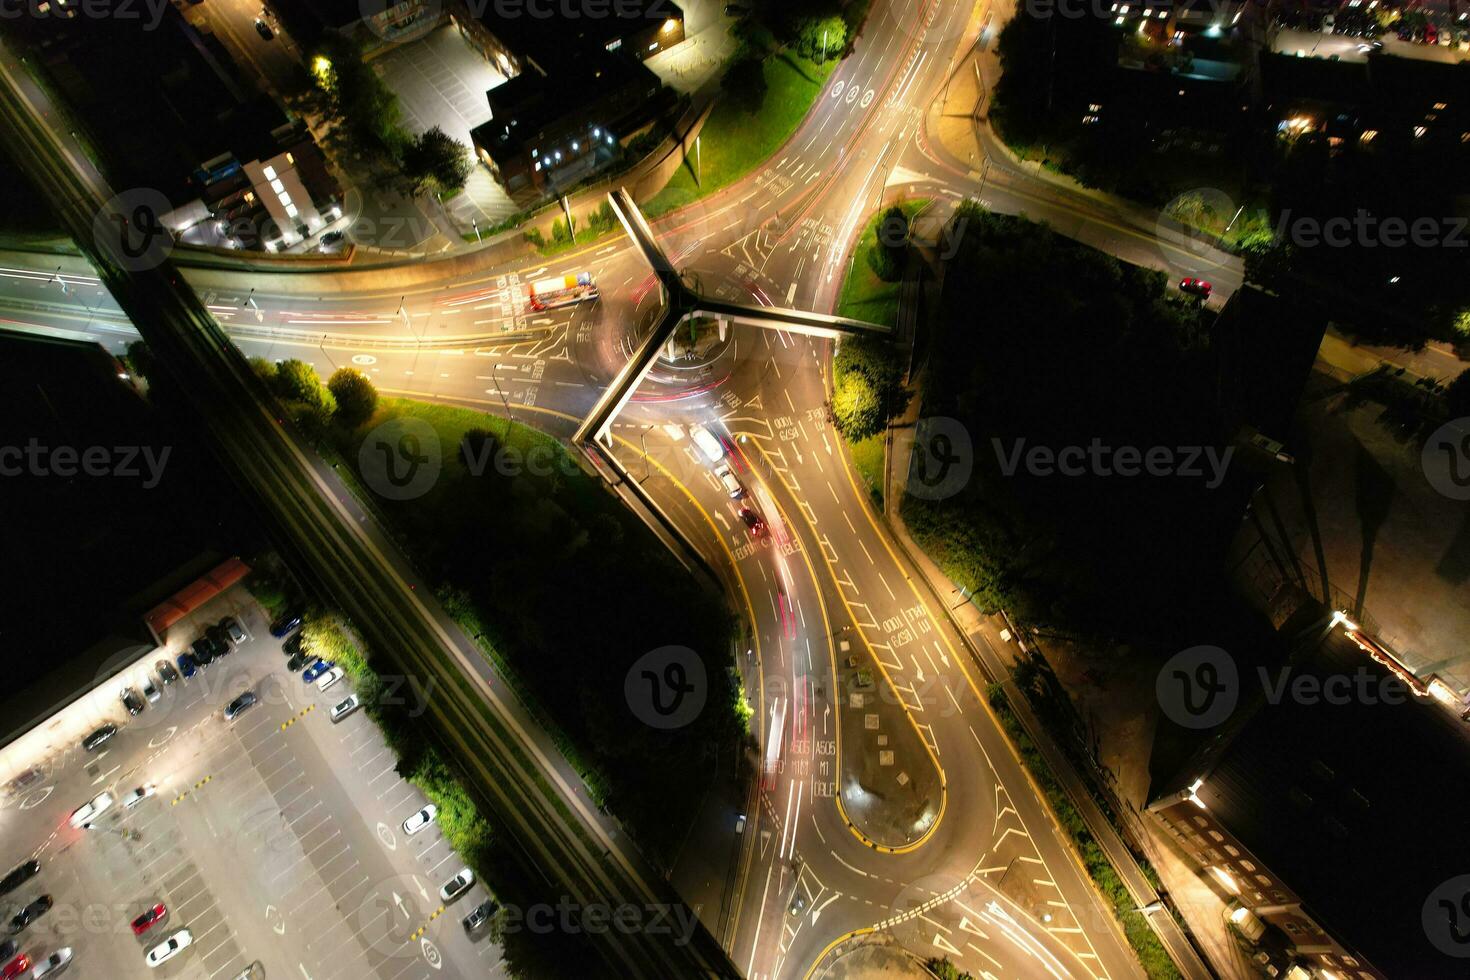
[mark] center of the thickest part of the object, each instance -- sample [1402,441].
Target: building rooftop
[1359,807]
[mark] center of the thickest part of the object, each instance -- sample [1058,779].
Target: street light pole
[824,47]
[495,373]
[698,169]
[567,210]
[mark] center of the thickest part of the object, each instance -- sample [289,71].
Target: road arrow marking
[944,945]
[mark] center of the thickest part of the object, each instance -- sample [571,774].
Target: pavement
[274,838]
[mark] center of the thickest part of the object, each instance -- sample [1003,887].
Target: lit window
[1419,131]
[575,146]
[285,198]
[1368,135]
[270,173]
[291,210]
[614,44]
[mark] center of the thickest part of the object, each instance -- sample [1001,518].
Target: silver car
[52,964]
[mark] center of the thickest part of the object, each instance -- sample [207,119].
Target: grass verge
[734,142]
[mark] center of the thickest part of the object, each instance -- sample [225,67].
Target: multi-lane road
[897,803]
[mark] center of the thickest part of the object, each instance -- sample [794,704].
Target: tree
[139,360]
[821,39]
[355,394]
[744,83]
[1457,395]
[264,370]
[297,381]
[435,159]
[855,408]
[886,257]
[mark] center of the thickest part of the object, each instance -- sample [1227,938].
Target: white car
[329,678]
[83,815]
[420,820]
[457,886]
[345,707]
[52,964]
[708,444]
[170,947]
[730,483]
[139,795]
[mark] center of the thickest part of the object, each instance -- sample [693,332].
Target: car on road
[170,947]
[707,443]
[264,30]
[52,964]
[420,820]
[298,660]
[83,816]
[97,739]
[150,690]
[26,779]
[187,665]
[149,919]
[139,795]
[316,670]
[727,480]
[237,707]
[15,967]
[1195,287]
[165,672]
[753,522]
[479,915]
[132,701]
[29,914]
[234,632]
[345,707]
[19,876]
[286,624]
[329,678]
[457,886]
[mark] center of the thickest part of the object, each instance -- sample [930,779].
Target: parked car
[219,640]
[237,707]
[329,678]
[29,914]
[52,964]
[298,660]
[1195,287]
[233,630]
[166,672]
[15,967]
[288,623]
[264,30]
[420,820]
[7,950]
[187,665]
[26,779]
[345,707]
[479,915]
[19,876]
[85,815]
[97,739]
[316,670]
[202,651]
[293,644]
[150,690]
[170,947]
[457,886]
[149,919]
[132,701]
[139,795]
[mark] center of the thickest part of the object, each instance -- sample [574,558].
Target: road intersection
[974,867]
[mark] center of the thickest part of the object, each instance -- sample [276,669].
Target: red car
[1198,287]
[147,920]
[16,967]
[753,522]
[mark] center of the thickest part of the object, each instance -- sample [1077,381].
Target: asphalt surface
[274,838]
[988,879]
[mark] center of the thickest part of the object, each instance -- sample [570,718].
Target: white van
[708,444]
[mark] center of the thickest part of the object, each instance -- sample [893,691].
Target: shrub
[356,397]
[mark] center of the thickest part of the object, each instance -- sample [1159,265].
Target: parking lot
[275,839]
